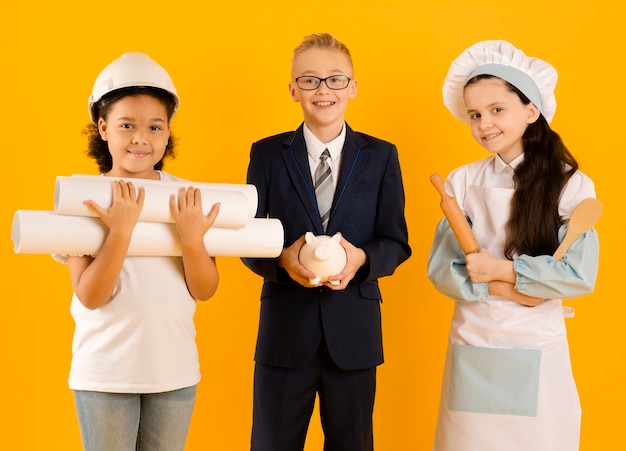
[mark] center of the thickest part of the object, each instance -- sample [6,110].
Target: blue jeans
[134,422]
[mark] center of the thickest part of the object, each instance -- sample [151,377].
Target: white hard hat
[131,69]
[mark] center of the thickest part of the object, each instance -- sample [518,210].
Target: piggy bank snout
[322,253]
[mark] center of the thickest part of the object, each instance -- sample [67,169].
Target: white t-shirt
[143,339]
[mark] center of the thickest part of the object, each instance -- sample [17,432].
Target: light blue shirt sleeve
[446,267]
[541,276]
[574,275]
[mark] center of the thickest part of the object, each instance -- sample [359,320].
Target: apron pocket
[493,380]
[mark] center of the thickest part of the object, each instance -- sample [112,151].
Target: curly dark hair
[539,181]
[98,149]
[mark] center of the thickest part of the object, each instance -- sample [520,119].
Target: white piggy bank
[324,256]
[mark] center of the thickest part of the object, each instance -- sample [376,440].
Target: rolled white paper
[45,232]
[238,202]
[248,190]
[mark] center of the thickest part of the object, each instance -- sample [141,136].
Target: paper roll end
[16,232]
[57,191]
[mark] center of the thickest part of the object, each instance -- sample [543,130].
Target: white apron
[508,383]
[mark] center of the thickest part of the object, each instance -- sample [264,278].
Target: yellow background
[230,62]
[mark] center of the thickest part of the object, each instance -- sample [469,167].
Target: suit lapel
[353,161]
[296,161]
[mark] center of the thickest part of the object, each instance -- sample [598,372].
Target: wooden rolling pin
[461,229]
[584,217]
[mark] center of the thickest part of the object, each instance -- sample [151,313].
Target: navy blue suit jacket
[368,209]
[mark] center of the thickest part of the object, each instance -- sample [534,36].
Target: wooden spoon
[584,217]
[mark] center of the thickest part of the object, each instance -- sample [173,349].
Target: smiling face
[498,117]
[323,108]
[137,131]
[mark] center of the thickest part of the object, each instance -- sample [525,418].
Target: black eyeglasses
[336,82]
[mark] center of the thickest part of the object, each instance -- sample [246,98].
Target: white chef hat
[535,78]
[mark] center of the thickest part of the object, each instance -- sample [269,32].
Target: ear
[293,91]
[533,113]
[102,128]
[352,87]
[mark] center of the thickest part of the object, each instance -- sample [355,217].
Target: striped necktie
[324,189]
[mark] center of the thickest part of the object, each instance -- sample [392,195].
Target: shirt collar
[315,147]
[499,165]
